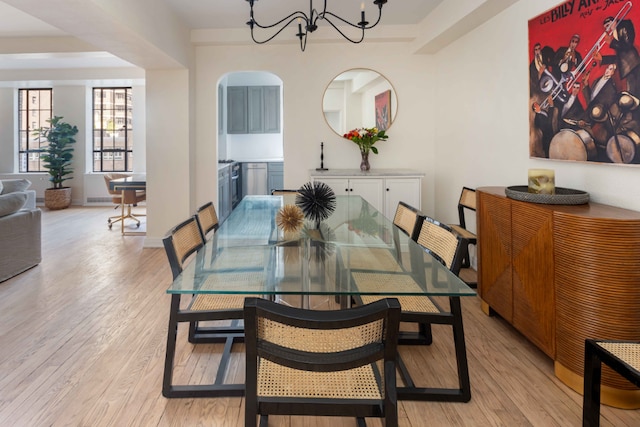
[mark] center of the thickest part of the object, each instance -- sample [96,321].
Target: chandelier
[308,23]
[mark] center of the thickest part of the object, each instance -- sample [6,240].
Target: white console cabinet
[382,188]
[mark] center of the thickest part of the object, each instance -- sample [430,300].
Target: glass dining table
[250,255]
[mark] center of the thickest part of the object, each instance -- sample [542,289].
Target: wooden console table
[560,274]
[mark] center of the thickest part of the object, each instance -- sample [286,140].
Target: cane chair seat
[283,192]
[382,259]
[623,357]
[376,282]
[331,363]
[627,352]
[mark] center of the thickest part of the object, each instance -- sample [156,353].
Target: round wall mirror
[359,98]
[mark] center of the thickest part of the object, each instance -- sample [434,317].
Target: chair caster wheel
[138,225]
[110,225]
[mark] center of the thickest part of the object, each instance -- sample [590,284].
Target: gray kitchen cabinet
[224,193]
[276,176]
[253,109]
[237,109]
[271,110]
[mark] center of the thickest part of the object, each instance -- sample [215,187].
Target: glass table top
[356,244]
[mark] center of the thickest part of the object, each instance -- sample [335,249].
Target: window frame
[105,155]
[32,145]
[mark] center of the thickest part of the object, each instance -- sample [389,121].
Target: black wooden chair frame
[594,357]
[197,335]
[387,309]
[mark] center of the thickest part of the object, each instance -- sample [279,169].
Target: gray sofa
[20,228]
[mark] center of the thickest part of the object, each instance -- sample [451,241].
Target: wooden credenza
[560,274]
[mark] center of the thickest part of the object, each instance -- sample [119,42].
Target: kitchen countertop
[221,166]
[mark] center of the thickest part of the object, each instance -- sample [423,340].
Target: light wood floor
[83,340]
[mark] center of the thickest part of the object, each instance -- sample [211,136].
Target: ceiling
[200,14]
[196,15]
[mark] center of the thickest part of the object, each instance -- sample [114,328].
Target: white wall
[305,77]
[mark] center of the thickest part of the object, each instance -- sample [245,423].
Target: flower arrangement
[366,138]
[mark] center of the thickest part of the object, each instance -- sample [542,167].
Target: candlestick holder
[322,168]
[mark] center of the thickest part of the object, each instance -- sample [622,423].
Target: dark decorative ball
[317,200]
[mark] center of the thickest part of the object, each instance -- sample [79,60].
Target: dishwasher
[254,179]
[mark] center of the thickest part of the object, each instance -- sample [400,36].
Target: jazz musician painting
[585,103]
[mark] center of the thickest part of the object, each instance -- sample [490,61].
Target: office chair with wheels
[128,198]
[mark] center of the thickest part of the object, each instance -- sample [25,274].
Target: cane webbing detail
[208,218]
[244,282]
[375,282]
[209,302]
[185,239]
[320,340]
[438,240]
[236,258]
[279,381]
[377,259]
[463,232]
[629,352]
[468,198]
[405,218]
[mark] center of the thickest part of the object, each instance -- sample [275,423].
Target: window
[35,107]
[112,130]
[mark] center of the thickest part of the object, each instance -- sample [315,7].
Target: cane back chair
[181,245]
[442,245]
[467,202]
[331,363]
[208,218]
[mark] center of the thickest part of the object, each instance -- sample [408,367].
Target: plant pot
[57,198]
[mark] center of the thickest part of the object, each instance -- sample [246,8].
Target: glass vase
[364,164]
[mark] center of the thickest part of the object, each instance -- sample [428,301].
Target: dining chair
[380,259]
[621,356]
[181,243]
[437,243]
[207,218]
[128,198]
[467,202]
[330,363]
[283,192]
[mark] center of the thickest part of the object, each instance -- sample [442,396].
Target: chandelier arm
[323,16]
[344,35]
[293,16]
[274,35]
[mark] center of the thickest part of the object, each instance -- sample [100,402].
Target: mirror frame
[371,85]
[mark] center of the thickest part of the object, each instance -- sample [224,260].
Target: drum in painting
[624,148]
[569,144]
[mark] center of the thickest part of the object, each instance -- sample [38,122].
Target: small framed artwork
[383,110]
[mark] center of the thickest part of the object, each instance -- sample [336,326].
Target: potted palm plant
[56,158]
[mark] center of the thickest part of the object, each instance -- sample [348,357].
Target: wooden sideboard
[560,274]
